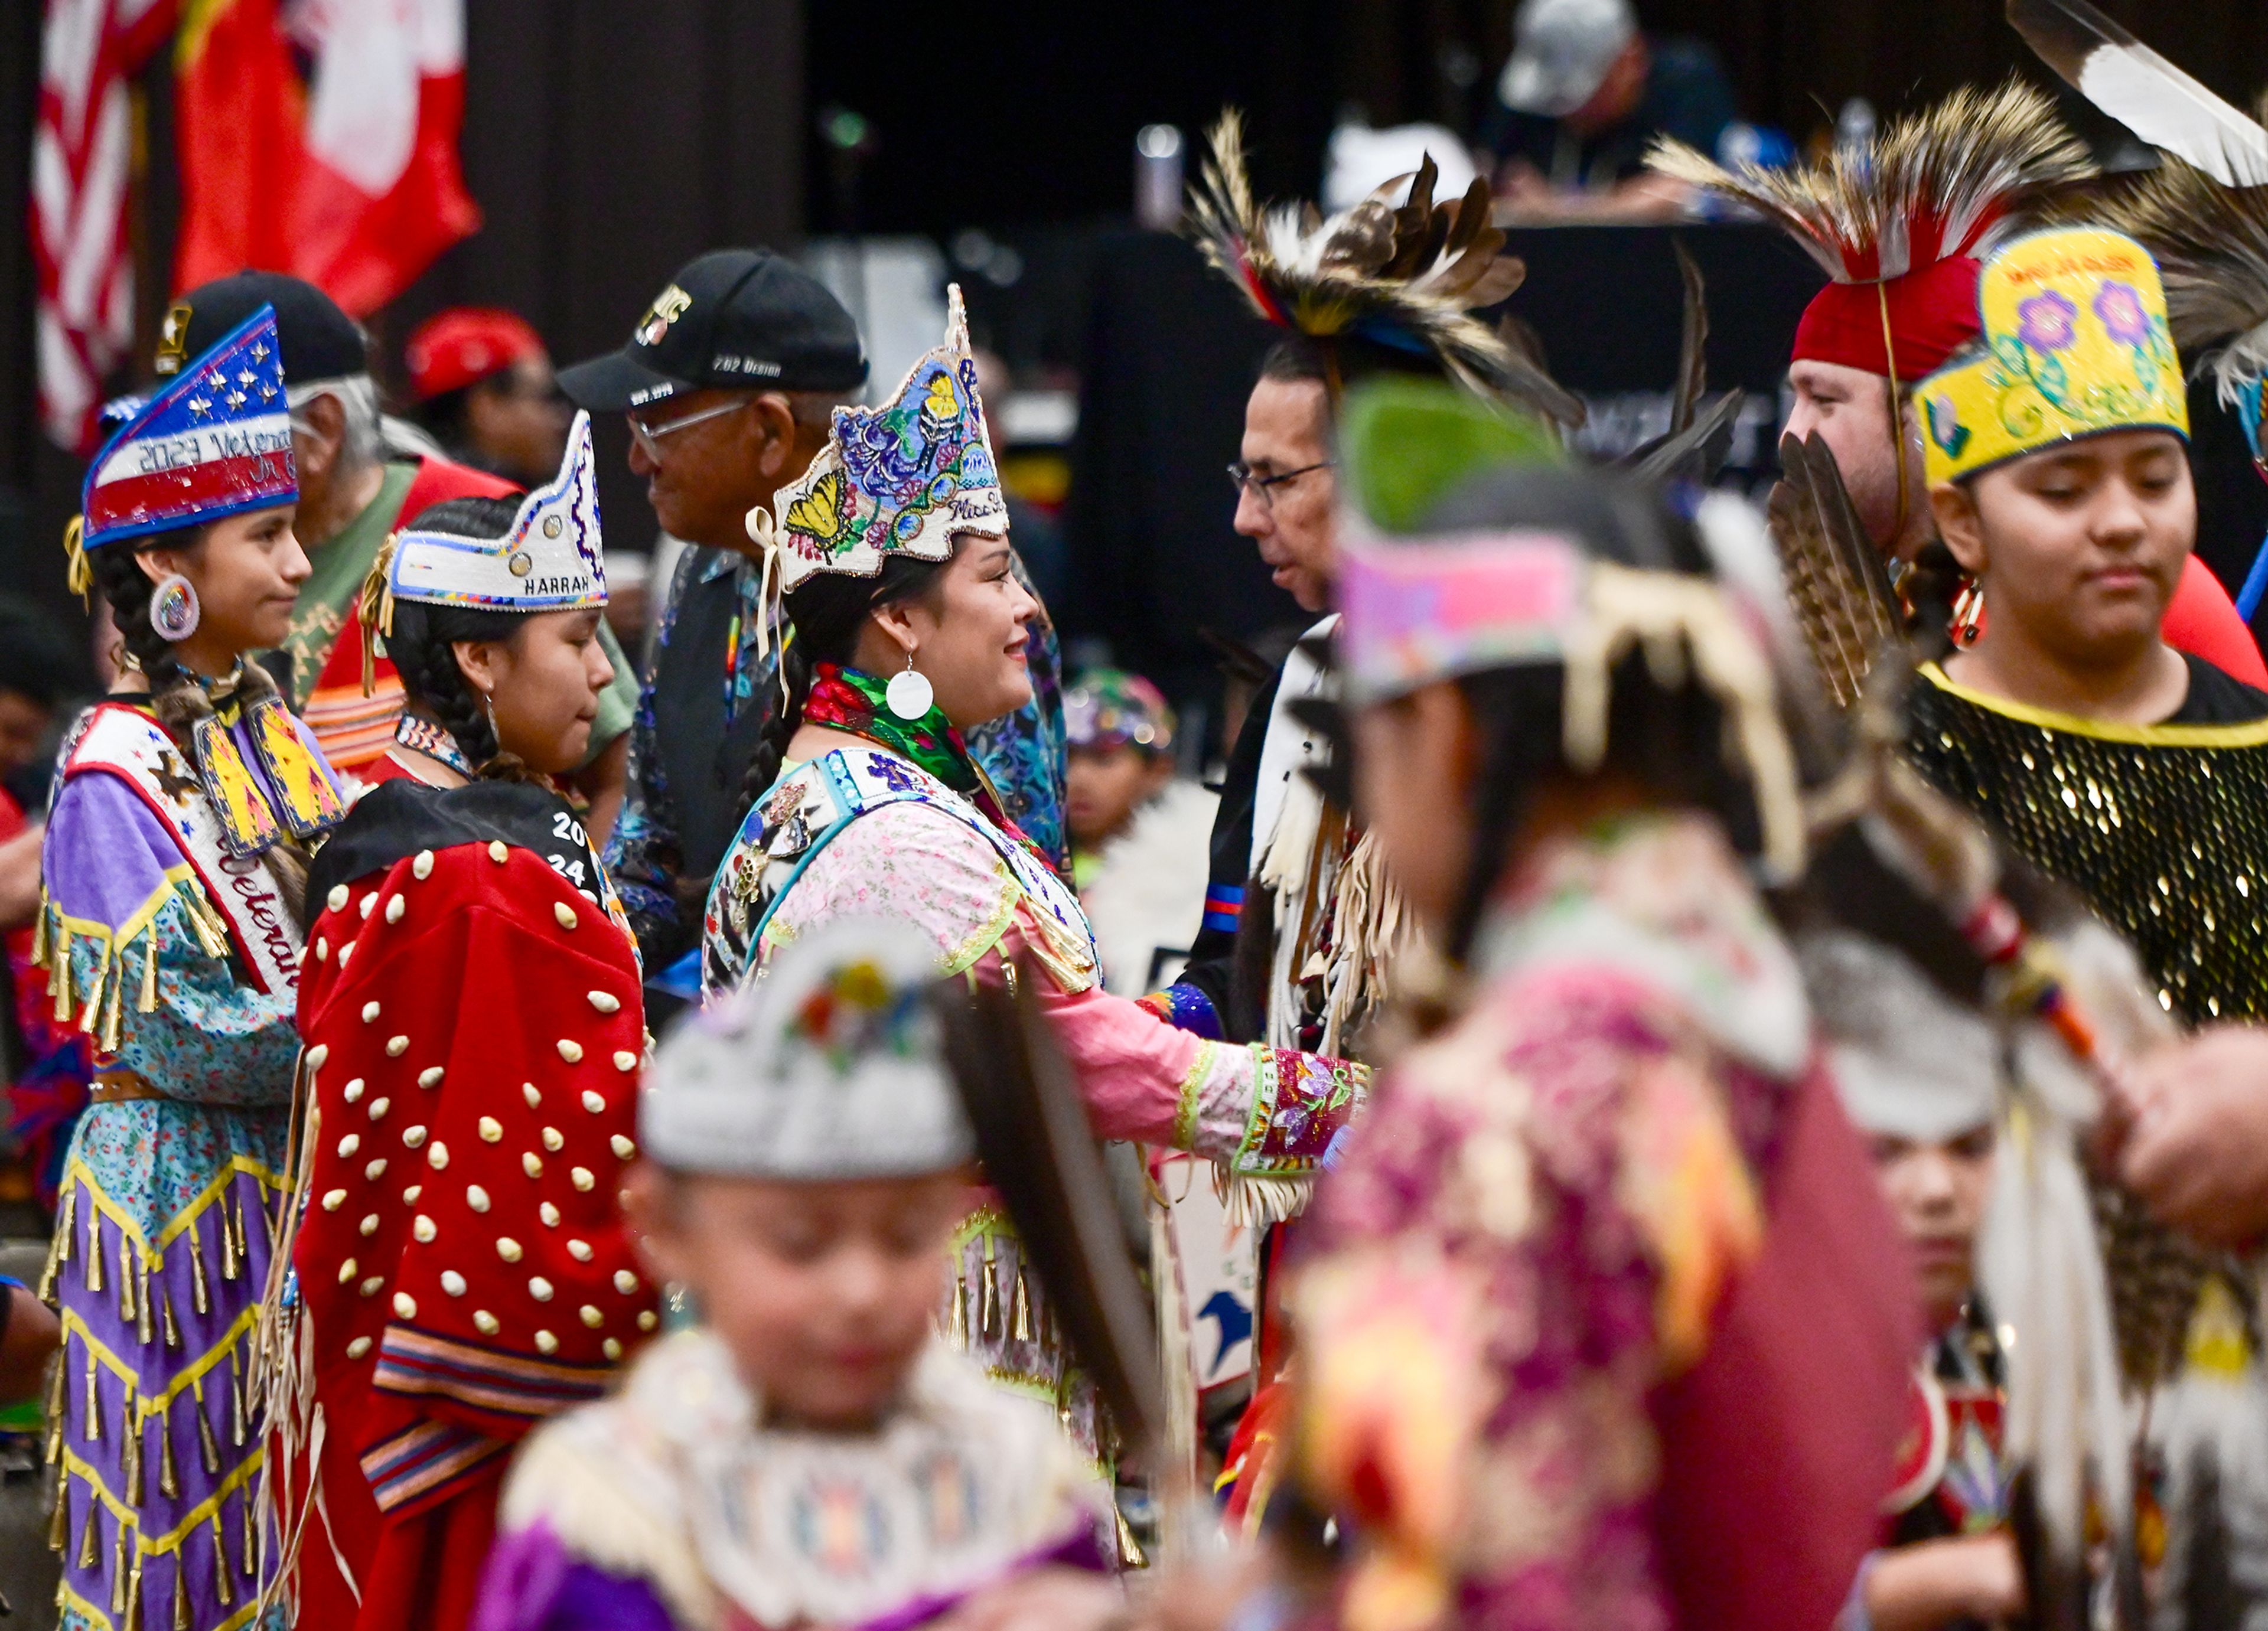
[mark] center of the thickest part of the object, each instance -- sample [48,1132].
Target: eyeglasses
[1262,486]
[649,437]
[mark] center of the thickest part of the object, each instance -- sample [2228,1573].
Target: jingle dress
[475,1032]
[1606,1276]
[902,824]
[179,958]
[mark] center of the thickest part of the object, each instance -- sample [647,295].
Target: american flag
[82,161]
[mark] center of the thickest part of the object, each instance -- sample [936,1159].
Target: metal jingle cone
[118,1573]
[987,1297]
[172,1331]
[133,1618]
[145,1326]
[206,1441]
[1019,1317]
[197,1273]
[224,1592]
[130,1448]
[251,1538]
[169,1477]
[59,1523]
[957,1327]
[86,1541]
[239,1396]
[94,1432]
[126,1306]
[94,1248]
[181,1620]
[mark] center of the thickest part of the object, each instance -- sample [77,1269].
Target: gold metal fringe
[118,1572]
[228,1243]
[133,1620]
[93,1247]
[91,1005]
[1020,1319]
[957,1329]
[59,1525]
[130,1451]
[169,1476]
[222,1590]
[987,1297]
[145,1326]
[205,923]
[58,1407]
[172,1331]
[126,1308]
[239,1394]
[112,1031]
[94,1403]
[87,1553]
[60,986]
[206,1441]
[181,1620]
[251,1539]
[197,1272]
[146,1001]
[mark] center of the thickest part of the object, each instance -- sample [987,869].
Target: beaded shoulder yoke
[812,805]
[230,901]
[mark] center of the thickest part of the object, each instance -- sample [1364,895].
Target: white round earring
[910,693]
[174,608]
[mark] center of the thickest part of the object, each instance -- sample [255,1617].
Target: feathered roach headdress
[1407,278]
[1900,227]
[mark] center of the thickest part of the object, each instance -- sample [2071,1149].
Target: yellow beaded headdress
[2075,343]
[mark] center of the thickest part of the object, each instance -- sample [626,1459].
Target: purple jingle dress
[181,964]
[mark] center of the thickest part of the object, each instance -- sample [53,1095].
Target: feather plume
[2210,245]
[1844,601]
[1935,185]
[1408,277]
[1693,345]
[2142,91]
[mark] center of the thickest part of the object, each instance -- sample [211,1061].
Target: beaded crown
[2075,343]
[551,558]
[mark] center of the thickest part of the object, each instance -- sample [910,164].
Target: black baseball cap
[733,320]
[320,342]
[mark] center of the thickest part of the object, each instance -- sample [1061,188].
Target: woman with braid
[459,1267]
[170,931]
[908,629]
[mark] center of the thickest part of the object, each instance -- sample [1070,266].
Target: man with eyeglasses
[362,478]
[728,381]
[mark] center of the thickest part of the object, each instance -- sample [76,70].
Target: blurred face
[247,570]
[1286,428]
[543,684]
[967,635]
[1938,1191]
[2079,548]
[23,727]
[1107,785]
[518,420]
[826,1294]
[1416,758]
[1850,410]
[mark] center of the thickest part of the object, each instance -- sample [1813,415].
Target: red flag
[348,179]
[82,161]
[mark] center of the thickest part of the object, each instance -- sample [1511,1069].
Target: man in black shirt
[1583,98]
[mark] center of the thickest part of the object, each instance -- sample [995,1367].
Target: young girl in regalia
[910,629]
[460,1271]
[170,931]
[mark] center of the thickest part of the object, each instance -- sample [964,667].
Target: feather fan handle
[2142,91]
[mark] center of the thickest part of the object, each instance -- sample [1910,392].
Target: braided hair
[828,611]
[422,642]
[175,696]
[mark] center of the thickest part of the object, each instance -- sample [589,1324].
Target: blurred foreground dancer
[1901,230]
[910,628]
[171,924]
[474,1030]
[1606,1274]
[814,1453]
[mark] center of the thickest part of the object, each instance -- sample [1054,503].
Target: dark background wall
[607,143]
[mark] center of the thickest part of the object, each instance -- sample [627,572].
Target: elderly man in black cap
[729,381]
[354,490]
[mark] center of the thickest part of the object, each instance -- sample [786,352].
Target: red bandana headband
[1929,313]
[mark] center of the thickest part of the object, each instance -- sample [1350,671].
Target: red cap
[1933,314]
[463,346]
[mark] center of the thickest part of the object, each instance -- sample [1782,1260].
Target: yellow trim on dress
[77,1173]
[149,1405]
[2252,733]
[204,1513]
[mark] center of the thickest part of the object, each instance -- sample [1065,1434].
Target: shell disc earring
[174,608]
[910,693]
